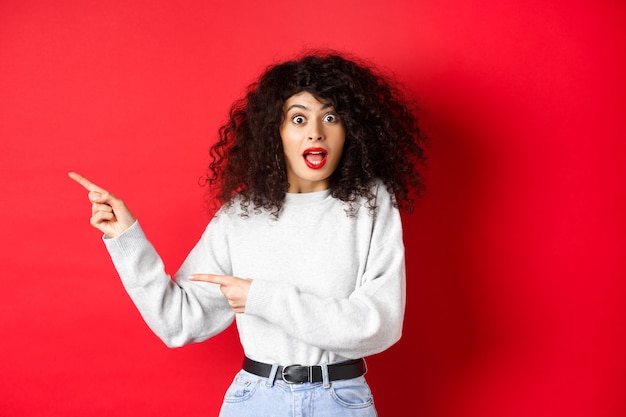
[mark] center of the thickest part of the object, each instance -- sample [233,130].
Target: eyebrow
[303,107]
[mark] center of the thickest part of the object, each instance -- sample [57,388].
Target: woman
[305,251]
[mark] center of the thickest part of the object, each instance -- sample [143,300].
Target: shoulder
[380,195]
[374,198]
[240,208]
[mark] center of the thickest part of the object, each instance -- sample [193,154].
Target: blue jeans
[250,395]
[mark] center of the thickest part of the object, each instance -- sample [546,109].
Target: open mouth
[315,158]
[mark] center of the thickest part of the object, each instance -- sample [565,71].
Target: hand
[109,214]
[234,289]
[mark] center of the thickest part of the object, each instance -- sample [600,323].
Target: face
[313,136]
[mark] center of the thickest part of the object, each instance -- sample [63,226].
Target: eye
[298,119]
[331,118]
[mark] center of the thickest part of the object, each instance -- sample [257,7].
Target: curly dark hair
[383,141]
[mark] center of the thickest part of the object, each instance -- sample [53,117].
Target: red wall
[515,255]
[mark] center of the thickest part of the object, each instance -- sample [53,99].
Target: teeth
[319,157]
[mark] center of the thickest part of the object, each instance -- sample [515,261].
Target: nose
[316,132]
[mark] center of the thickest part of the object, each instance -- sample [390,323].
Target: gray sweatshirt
[326,286]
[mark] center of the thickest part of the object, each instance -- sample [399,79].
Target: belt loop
[325,378]
[272,376]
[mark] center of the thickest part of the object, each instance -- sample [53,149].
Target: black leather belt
[297,374]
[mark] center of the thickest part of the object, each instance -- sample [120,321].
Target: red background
[515,255]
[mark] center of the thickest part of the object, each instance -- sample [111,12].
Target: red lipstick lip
[315,165]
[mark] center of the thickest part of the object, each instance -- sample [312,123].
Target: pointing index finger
[214,279]
[90,186]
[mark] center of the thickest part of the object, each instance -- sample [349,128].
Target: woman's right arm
[178,311]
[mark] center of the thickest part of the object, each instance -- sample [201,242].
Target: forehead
[306,100]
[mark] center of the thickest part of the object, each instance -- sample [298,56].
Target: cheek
[338,156]
[340,146]
[284,137]
[290,146]
[339,153]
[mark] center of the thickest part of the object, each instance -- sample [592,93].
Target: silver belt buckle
[282,372]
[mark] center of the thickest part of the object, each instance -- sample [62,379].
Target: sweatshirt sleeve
[178,311]
[369,320]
